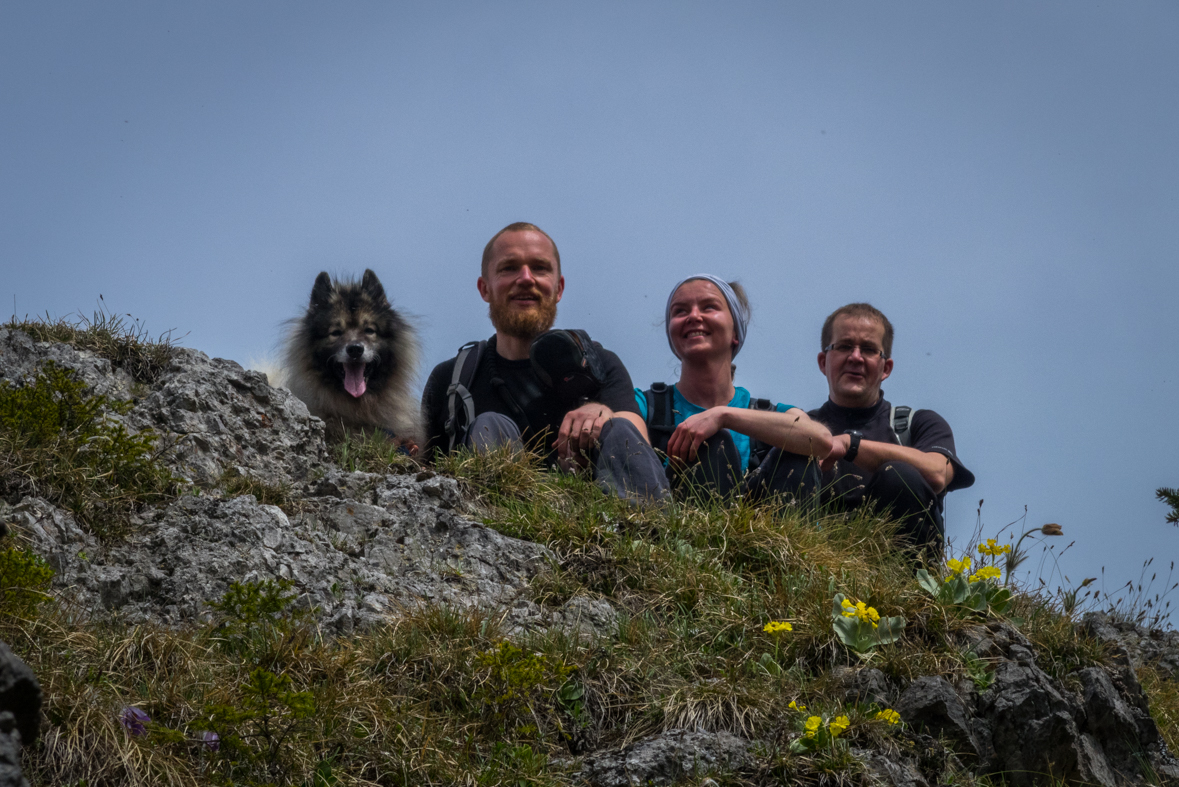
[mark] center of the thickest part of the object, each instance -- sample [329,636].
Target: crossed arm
[935,468]
[792,431]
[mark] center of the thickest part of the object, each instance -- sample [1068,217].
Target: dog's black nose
[355,350]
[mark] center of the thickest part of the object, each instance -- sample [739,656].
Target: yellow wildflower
[812,726]
[838,726]
[889,715]
[993,548]
[958,566]
[986,572]
[774,626]
[795,706]
[862,611]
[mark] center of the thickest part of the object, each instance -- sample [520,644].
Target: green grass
[372,452]
[443,696]
[65,444]
[126,344]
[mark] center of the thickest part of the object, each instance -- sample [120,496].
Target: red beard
[524,324]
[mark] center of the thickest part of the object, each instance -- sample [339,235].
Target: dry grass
[437,697]
[1163,692]
[126,344]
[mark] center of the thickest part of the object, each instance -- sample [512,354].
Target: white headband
[739,312]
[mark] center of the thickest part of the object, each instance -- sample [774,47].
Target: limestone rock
[1141,646]
[20,695]
[890,771]
[865,685]
[667,758]
[931,705]
[355,562]
[218,416]
[20,715]
[21,357]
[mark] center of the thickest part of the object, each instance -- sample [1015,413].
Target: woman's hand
[695,429]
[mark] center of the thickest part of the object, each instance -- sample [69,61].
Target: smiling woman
[711,430]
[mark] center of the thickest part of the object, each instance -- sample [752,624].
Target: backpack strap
[465,364]
[660,414]
[758,449]
[900,420]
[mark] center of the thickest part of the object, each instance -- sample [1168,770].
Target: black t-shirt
[540,412]
[928,430]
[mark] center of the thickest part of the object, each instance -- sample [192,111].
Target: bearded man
[521,282]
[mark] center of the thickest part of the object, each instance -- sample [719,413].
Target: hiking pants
[717,469]
[624,463]
[785,474]
[897,487]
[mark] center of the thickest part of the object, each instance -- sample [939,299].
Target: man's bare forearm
[792,431]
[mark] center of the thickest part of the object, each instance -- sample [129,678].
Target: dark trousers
[896,487]
[716,471]
[624,463]
[786,475]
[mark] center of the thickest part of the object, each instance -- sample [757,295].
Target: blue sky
[1001,179]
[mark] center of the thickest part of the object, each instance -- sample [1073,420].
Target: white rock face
[359,548]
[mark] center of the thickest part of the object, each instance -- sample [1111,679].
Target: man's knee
[627,464]
[900,482]
[784,473]
[900,488]
[493,430]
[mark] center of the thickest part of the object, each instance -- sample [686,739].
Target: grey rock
[931,705]
[884,770]
[865,685]
[21,357]
[1136,645]
[20,695]
[667,758]
[20,715]
[218,416]
[10,771]
[355,563]
[1033,731]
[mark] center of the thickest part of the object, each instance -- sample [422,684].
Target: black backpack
[661,420]
[570,364]
[566,361]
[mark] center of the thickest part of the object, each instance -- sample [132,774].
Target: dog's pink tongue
[354,378]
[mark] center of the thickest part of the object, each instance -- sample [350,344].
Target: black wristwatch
[853,448]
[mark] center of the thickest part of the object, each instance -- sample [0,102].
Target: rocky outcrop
[358,547]
[1029,726]
[355,561]
[1136,645]
[20,715]
[668,758]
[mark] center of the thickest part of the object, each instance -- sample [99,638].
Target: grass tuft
[127,345]
[70,447]
[372,452]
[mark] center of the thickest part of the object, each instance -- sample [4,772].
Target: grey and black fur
[351,340]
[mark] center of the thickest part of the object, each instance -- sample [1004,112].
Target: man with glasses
[908,473]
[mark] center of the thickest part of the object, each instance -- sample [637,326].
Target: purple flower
[211,740]
[134,720]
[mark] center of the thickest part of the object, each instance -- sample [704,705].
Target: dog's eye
[336,333]
[370,331]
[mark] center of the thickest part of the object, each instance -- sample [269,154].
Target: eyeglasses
[868,352]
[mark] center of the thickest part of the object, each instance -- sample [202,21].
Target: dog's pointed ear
[321,293]
[372,285]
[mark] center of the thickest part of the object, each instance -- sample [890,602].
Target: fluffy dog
[351,359]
